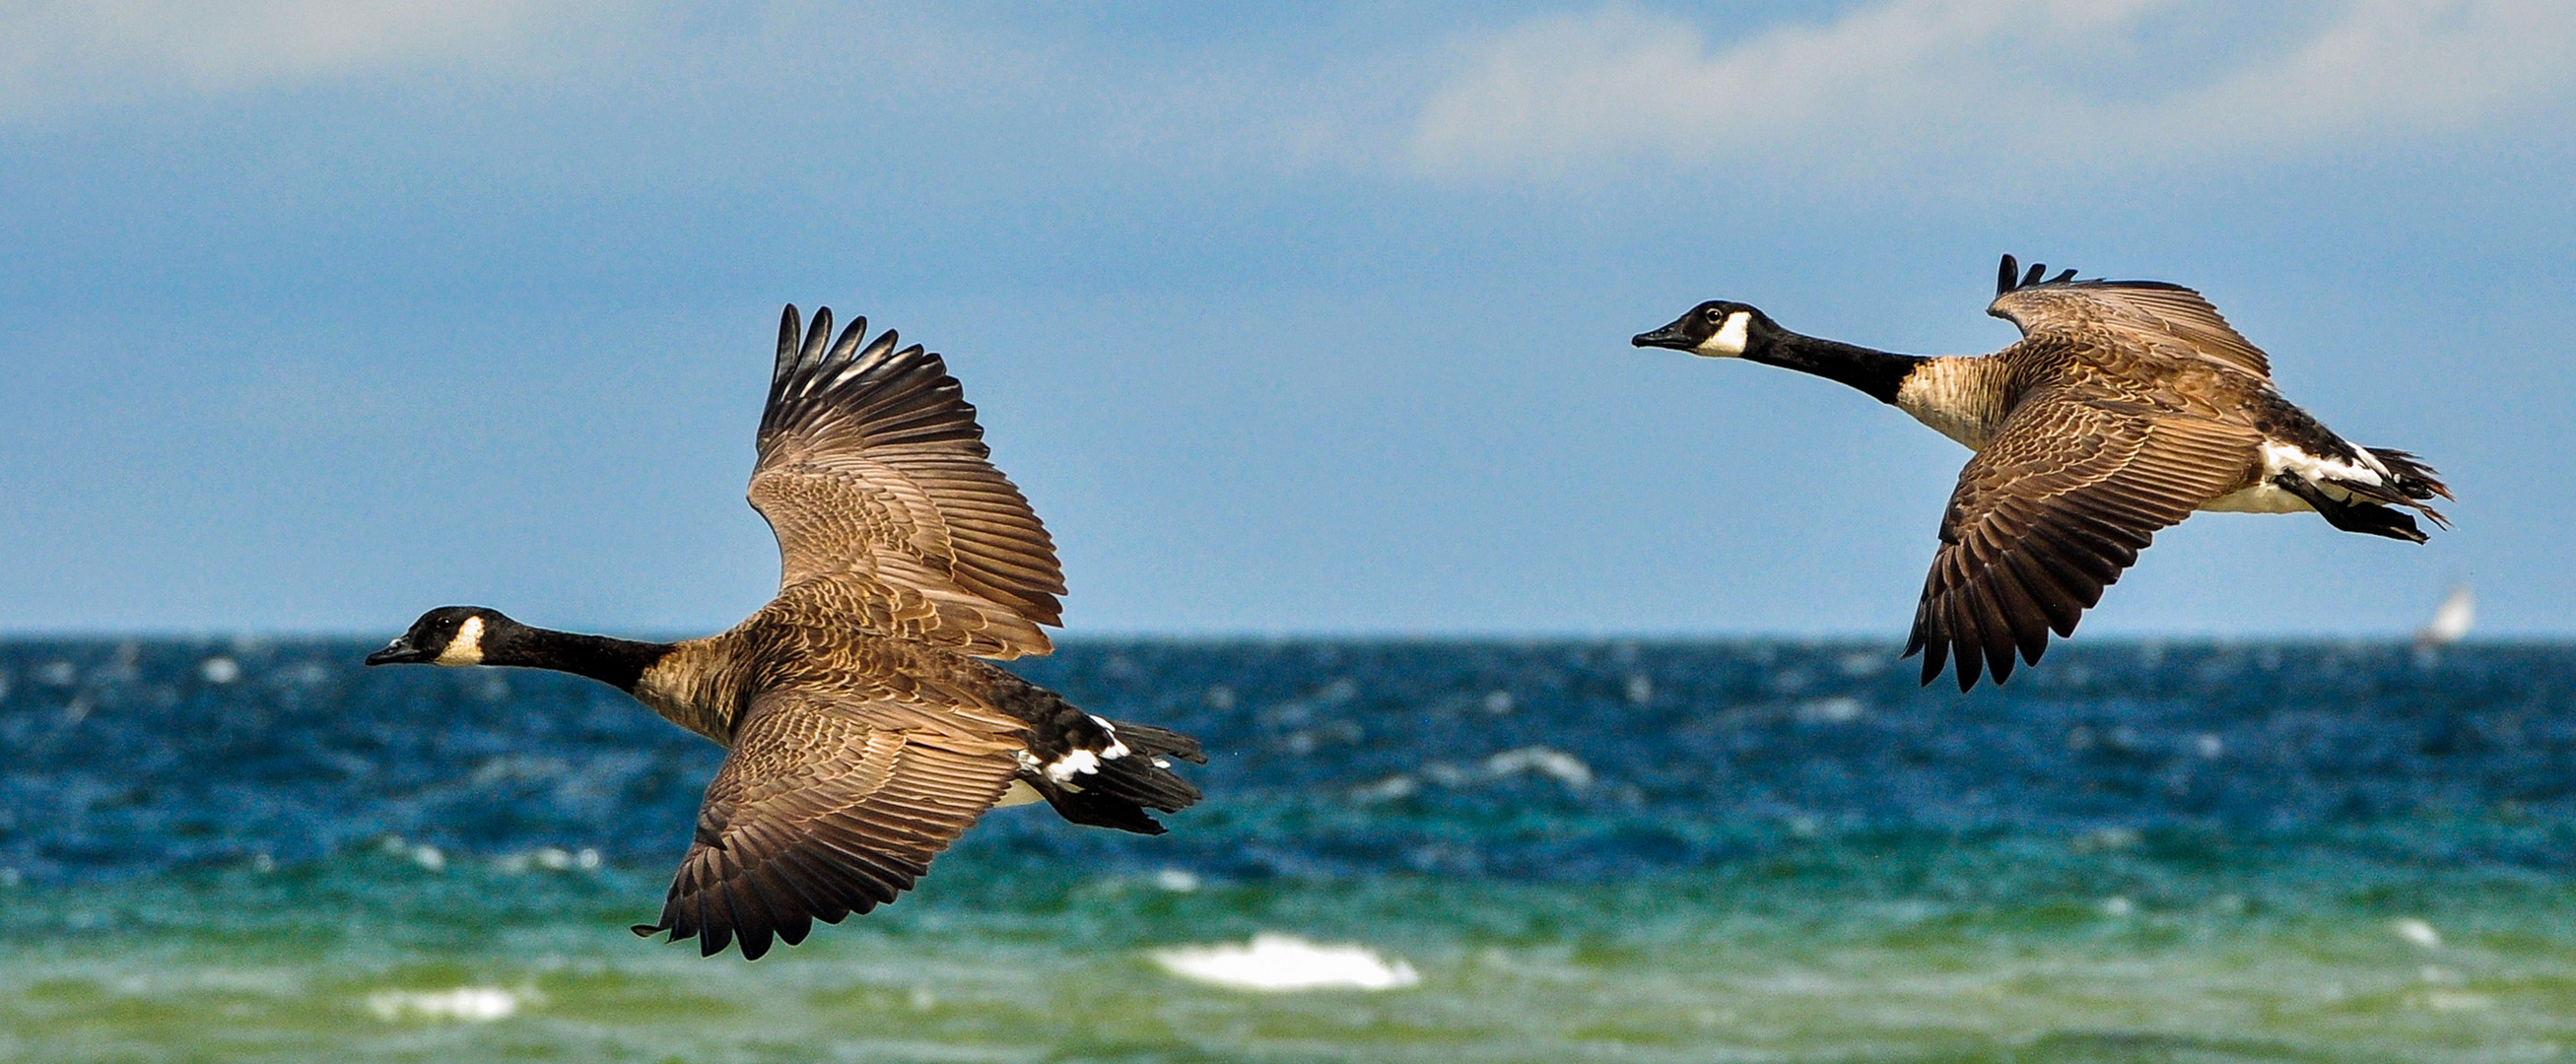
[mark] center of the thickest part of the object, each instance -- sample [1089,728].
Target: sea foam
[1276,962]
[476,1004]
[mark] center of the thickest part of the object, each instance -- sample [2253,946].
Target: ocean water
[249,850]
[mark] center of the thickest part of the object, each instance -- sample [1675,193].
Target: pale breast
[1961,398]
[694,686]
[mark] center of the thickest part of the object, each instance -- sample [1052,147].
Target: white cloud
[68,52]
[2051,84]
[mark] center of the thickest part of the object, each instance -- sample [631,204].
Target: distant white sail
[2451,620]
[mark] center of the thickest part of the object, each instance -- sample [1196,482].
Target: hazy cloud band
[2046,83]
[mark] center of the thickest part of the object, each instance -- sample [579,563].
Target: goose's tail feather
[1104,773]
[2408,482]
[2415,480]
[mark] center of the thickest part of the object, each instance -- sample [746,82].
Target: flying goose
[2126,406]
[863,735]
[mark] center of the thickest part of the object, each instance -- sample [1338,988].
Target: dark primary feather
[2144,319]
[818,814]
[873,471]
[867,743]
[2009,277]
[2125,406]
[2050,513]
[2139,404]
[862,735]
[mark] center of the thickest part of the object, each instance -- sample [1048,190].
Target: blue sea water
[244,849]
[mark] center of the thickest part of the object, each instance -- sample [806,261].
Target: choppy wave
[1273,962]
[257,850]
[473,1004]
[1544,760]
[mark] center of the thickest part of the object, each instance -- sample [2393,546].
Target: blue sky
[1290,320]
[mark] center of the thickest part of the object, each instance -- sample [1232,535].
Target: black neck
[1877,372]
[619,663]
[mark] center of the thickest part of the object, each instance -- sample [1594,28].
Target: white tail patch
[1116,748]
[2265,497]
[1072,763]
[2279,458]
[1060,772]
[1078,761]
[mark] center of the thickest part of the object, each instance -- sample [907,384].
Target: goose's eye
[1714,315]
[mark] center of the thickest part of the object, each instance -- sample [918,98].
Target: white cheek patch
[1728,341]
[466,648]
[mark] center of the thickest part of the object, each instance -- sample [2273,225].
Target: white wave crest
[1275,963]
[1563,767]
[474,1004]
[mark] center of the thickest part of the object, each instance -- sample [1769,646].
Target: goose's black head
[1715,329]
[448,635]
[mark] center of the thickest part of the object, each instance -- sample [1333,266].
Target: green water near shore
[2000,948]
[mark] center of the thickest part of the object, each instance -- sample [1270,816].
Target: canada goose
[2125,406]
[863,734]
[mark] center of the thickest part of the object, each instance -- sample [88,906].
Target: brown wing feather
[2146,316]
[2052,512]
[820,812]
[874,473]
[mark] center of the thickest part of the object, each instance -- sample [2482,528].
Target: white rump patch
[2265,497]
[1079,762]
[2283,458]
[1066,767]
[1729,340]
[1274,963]
[1116,748]
[466,648]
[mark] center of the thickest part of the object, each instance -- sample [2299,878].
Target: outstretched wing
[820,811]
[2051,512]
[2147,317]
[873,474]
